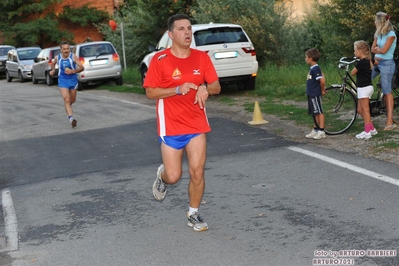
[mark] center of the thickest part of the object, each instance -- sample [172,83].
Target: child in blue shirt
[315,89]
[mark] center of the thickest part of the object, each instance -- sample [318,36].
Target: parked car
[19,63]
[3,57]
[101,62]
[42,66]
[229,48]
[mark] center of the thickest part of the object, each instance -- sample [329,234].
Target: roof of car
[30,47]
[211,24]
[51,48]
[89,43]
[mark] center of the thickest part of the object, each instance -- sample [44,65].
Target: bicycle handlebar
[344,62]
[348,60]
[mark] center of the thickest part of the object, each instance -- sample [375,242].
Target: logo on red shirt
[176,74]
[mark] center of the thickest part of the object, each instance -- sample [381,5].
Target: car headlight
[27,67]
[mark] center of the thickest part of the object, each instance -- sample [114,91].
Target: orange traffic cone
[257,117]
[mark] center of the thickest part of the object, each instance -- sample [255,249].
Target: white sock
[70,118]
[192,210]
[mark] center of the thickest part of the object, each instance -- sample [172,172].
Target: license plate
[226,55]
[99,62]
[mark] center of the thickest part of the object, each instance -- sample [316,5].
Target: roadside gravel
[285,128]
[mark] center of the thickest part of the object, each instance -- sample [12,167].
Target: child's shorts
[314,105]
[365,92]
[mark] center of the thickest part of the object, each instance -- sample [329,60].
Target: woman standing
[383,47]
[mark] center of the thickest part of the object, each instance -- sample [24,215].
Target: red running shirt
[177,115]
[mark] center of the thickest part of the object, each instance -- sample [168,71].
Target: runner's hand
[201,96]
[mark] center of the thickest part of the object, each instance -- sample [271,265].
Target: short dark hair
[313,53]
[172,19]
[64,43]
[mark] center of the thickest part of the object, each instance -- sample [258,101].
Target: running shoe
[364,135]
[320,135]
[74,123]
[311,134]
[159,188]
[374,132]
[196,222]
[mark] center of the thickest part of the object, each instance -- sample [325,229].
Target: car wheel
[119,81]
[250,85]
[8,77]
[49,80]
[21,78]
[81,85]
[34,80]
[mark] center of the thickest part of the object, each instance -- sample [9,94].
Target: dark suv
[3,57]
[42,66]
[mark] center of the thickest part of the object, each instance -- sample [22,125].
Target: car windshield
[28,54]
[4,51]
[96,50]
[219,35]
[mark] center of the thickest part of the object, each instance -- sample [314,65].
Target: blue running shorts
[70,84]
[177,142]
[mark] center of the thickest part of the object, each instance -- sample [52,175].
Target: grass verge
[281,91]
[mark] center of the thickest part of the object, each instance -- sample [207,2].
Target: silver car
[3,57]
[19,63]
[100,61]
[42,66]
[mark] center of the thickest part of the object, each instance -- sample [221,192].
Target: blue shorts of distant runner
[70,84]
[177,142]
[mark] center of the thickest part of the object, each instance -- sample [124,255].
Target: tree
[340,23]
[265,21]
[144,22]
[35,29]
[30,22]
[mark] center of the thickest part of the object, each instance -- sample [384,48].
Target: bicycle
[340,101]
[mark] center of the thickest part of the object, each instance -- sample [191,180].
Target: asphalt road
[83,196]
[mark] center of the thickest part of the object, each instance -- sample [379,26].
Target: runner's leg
[196,155]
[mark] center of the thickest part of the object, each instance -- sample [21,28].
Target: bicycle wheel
[339,108]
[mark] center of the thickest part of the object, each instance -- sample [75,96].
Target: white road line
[10,220]
[353,168]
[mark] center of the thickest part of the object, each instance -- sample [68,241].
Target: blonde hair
[383,24]
[364,48]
